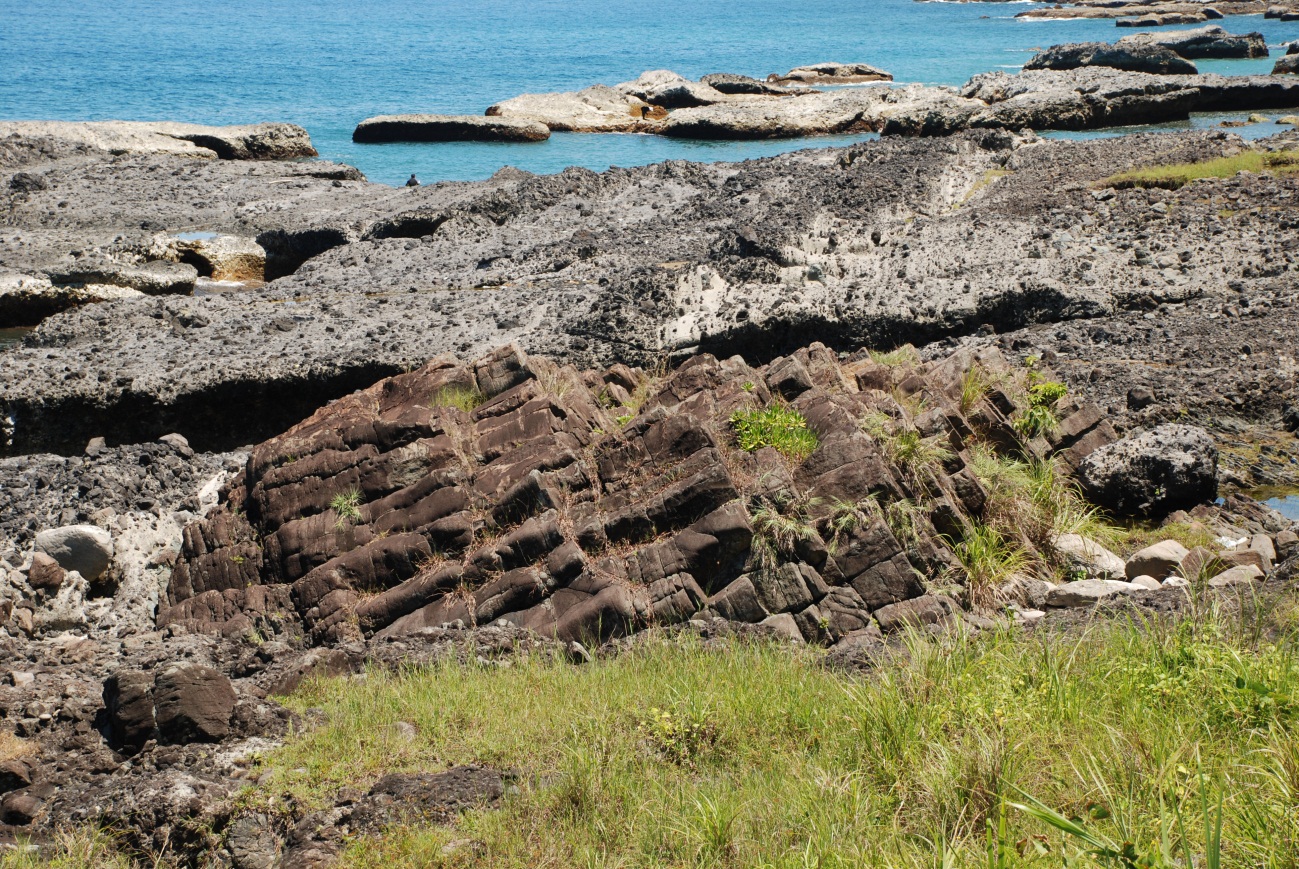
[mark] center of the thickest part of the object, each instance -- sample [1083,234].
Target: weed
[777,534]
[975,384]
[680,735]
[904,355]
[79,848]
[777,426]
[989,560]
[347,504]
[846,517]
[465,398]
[1039,417]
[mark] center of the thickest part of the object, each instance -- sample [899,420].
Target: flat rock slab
[449,128]
[1086,592]
[1211,42]
[246,142]
[831,73]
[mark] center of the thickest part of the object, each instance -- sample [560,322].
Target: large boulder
[1168,468]
[84,548]
[1211,41]
[1133,57]
[192,703]
[448,128]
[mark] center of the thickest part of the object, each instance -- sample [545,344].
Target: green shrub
[777,426]
[1039,417]
[777,533]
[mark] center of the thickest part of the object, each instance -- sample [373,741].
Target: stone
[1134,57]
[19,808]
[192,703]
[729,83]
[1287,65]
[664,88]
[1159,560]
[84,548]
[597,109]
[222,258]
[1264,546]
[1204,42]
[784,626]
[15,773]
[1147,582]
[927,609]
[449,128]
[781,589]
[738,602]
[45,573]
[1140,397]
[1085,592]
[1286,543]
[1090,556]
[271,141]
[831,73]
[1026,591]
[1175,582]
[1168,468]
[1028,618]
[1245,574]
[128,699]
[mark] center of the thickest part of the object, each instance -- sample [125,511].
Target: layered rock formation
[586,505]
[1133,57]
[448,128]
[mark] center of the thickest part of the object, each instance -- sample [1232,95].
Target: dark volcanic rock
[192,703]
[1169,468]
[1131,57]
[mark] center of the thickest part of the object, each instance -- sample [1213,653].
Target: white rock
[784,626]
[1160,560]
[1090,555]
[1146,582]
[1030,617]
[1244,574]
[1176,582]
[84,548]
[1086,592]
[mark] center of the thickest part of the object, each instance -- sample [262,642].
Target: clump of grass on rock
[778,426]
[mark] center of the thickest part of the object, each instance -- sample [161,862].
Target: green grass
[777,426]
[1173,176]
[84,848]
[347,505]
[674,755]
[990,559]
[904,355]
[464,398]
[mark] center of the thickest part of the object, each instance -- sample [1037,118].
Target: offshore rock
[1134,57]
[1204,42]
[831,73]
[597,109]
[448,128]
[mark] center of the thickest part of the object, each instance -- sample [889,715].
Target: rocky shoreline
[558,413]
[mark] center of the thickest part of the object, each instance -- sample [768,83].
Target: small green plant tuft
[975,384]
[680,735]
[347,505]
[463,398]
[1039,417]
[777,534]
[777,426]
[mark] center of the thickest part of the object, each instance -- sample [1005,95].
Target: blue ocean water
[327,64]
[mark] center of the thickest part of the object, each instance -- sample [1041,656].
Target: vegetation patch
[464,398]
[347,505]
[679,755]
[1173,176]
[904,355]
[778,426]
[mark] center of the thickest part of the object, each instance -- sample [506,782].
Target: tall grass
[1119,729]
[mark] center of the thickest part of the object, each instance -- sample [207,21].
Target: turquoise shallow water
[327,64]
